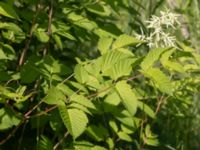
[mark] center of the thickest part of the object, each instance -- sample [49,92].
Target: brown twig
[49,31]
[60,141]
[160,102]
[12,133]
[28,41]
[134,77]
[27,114]
[31,110]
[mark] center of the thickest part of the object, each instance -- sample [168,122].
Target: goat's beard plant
[159,27]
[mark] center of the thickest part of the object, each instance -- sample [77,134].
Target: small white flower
[159,25]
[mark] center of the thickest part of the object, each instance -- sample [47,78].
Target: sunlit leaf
[127,96]
[125,40]
[74,120]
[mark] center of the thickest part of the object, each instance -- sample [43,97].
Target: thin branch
[49,31]
[60,141]
[22,135]
[31,110]
[134,77]
[27,44]
[67,78]
[12,133]
[160,102]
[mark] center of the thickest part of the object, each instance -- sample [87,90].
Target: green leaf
[144,107]
[121,68]
[112,99]
[166,55]
[161,80]
[45,143]
[85,145]
[175,66]
[152,57]
[99,9]
[82,145]
[185,47]
[8,119]
[111,58]
[104,44]
[80,107]
[41,35]
[55,97]
[65,89]
[29,72]
[127,96]
[80,99]
[124,136]
[81,21]
[149,137]
[7,52]
[74,120]
[81,74]
[98,133]
[12,32]
[125,40]
[113,126]
[58,41]
[7,11]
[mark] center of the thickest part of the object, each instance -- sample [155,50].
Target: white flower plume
[159,25]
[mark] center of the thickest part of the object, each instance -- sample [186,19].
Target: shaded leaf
[7,11]
[55,97]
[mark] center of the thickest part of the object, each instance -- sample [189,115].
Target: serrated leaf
[162,81]
[151,58]
[104,44]
[74,120]
[55,97]
[121,68]
[125,40]
[127,96]
[111,58]
[7,11]
[80,99]
[175,66]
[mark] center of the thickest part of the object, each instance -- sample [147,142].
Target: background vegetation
[73,75]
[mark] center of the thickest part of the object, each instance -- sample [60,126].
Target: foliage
[73,75]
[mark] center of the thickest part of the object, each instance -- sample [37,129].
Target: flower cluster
[159,25]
